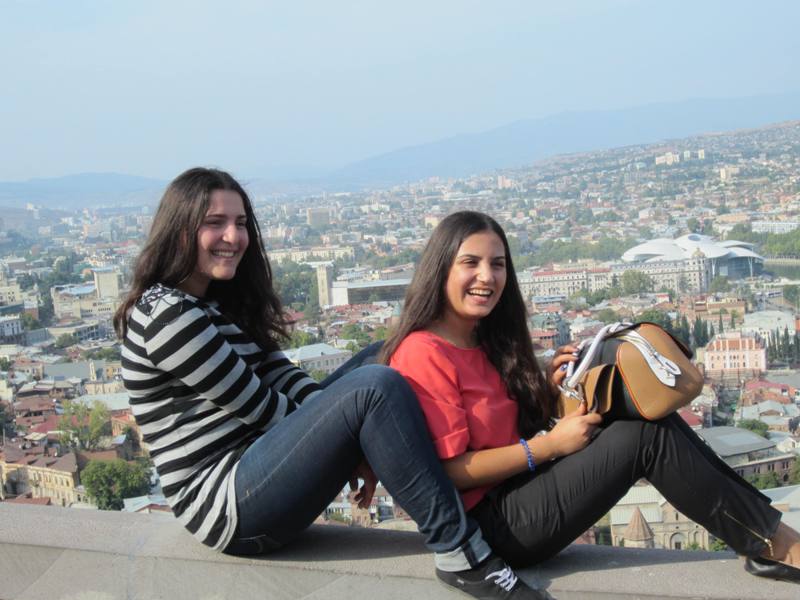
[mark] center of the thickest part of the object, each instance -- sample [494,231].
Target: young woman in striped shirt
[250,449]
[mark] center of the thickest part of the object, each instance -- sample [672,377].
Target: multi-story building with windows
[311,254]
[735,355]
[41,475]
[83,301]
[748,453]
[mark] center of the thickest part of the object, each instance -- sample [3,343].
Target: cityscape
[699,234]
[643,160]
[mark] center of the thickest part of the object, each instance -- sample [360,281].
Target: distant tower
[638,533]
[324,280]
[106,282]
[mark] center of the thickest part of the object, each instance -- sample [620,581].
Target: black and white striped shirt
[201,392]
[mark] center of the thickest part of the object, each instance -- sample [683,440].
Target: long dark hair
[170,256]
[503,334]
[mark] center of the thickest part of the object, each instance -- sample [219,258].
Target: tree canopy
[65,340]
[82,427]
[754,425]
[636,282]
[108,483]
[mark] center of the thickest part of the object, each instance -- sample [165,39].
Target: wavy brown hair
[170,256]
[503,334]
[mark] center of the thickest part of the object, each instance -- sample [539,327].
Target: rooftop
[51,553]
[731,441]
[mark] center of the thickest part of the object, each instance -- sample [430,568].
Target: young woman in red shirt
[534,484]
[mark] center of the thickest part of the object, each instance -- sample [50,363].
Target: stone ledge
[52,553]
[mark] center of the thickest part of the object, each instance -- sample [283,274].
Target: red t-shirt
[465,401]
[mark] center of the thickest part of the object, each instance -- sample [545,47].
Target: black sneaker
[491,579]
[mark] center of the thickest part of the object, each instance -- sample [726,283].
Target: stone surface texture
[53,553]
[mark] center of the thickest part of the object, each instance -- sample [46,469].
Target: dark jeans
[287,477]
[531,517]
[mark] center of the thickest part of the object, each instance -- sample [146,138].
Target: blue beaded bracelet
[531,464]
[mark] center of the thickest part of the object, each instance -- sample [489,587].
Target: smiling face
[476,280]
[221,241]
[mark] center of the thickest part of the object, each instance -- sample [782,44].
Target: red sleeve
[434,378]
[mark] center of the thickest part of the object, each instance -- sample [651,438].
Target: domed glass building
[728,258]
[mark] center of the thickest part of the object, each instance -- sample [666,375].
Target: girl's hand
[364,494]
[557,370]
[574,431]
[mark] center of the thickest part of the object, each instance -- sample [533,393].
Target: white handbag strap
[663,368]
[574,374]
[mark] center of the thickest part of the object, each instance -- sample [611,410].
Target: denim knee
[383,379]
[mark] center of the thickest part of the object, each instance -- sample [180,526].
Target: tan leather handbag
[631,371]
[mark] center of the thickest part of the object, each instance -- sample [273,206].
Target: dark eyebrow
[475,256]
[222,214]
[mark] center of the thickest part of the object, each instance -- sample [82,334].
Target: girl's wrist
[542,447]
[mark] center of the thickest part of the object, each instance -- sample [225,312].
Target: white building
[365,292]
[728,258]
[11,330]
[764,323]
[107,282]
[318,357]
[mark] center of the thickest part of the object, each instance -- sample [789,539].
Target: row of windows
[48,478]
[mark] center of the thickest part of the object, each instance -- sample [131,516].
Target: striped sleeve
[279,373]
[182,341]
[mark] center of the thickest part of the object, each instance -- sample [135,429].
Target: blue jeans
[287,477]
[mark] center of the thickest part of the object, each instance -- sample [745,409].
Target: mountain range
[524,142]
[516,144]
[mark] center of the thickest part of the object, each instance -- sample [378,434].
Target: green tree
[719,285]
[791,293]
[636,282]
[108,483]
[353,331]
[794,474]
[754,425]
[295,283]
[693,547]
[607,315]
[318,374]
[765,481]
[82,427]
[658,317]
[111,353]
[302,338]
[718,546]
[65,340]
[29,322]
[697,331]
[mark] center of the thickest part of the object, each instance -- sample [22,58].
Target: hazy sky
[150,87]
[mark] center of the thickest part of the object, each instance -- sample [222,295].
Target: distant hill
[513,145]
[82,190]
[524,142]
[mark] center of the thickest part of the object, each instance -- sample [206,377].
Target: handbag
[631,371]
